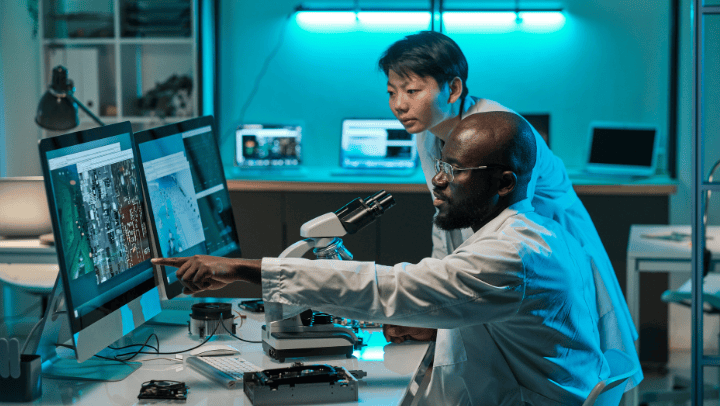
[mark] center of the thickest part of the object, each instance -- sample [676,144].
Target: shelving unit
[705,129]
[117,51]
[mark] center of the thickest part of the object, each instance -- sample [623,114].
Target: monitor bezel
[77,324]
[341,162]
[620,169]
[171,290]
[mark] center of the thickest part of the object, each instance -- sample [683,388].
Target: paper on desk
[673,236]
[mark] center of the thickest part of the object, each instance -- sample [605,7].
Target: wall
[19,66]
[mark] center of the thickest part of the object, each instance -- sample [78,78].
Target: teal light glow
[347,21]
[503,21]
[326,21]
[370,354]
[453,21]
[542,21]
[410,20]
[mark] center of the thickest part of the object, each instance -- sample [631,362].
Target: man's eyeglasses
[449,171]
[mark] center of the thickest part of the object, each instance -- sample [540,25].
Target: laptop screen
[377,143]
[623,149]
[268,146]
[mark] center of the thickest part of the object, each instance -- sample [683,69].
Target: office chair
[608,392]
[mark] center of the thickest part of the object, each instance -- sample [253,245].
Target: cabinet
[136,60]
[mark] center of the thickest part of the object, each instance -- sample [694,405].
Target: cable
[145,344]
[241,339]
[263,70]
[32,331]
[157,352]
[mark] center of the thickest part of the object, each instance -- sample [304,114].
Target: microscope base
[279,346]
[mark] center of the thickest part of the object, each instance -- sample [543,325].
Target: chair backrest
[609,391]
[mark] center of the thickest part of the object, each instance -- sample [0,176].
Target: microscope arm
[299,249]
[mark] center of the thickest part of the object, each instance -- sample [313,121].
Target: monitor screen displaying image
[376,143]
[268,146]
[188,198]
[101,231]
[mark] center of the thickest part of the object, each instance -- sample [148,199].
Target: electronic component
[205,319]
[301,385]
[225,370]
[173,390]
[255,305]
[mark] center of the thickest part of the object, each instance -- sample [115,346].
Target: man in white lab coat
[514,306]
[427,87]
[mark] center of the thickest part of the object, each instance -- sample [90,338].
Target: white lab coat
[552,196]
[514,306]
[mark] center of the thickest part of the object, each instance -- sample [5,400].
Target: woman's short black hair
[427,53]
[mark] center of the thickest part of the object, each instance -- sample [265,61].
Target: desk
[389,369]
[27,265]
[657,255]
[24,251]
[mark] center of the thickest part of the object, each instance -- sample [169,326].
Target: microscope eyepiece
[359,213]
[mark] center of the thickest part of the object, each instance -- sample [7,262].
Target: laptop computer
[268,149]
[622,149]
[24,207]
[376,147]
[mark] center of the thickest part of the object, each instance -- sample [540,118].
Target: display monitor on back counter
[379,147]
[103,240]
[622,149]
[268,146]
[187,193]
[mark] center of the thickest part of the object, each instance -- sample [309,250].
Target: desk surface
[389,369]
[643,245]
[320,179]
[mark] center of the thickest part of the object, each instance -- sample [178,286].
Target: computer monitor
[268,146]
[377,144]
[103,243]
[624,149]
[187,194]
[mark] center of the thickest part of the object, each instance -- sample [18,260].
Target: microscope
[314,333]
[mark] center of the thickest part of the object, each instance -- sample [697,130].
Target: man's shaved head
[497,137]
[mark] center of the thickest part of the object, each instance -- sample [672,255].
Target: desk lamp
[58,107]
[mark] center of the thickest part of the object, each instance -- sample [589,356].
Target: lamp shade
[57,109]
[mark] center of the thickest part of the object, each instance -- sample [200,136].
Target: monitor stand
[54,328]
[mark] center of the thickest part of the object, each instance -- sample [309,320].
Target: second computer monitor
[187,194]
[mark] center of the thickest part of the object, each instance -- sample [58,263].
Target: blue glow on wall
[369,21]
[503,22]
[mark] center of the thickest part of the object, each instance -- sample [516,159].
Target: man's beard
[462,214]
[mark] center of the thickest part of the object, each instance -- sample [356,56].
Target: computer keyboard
[226,370]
